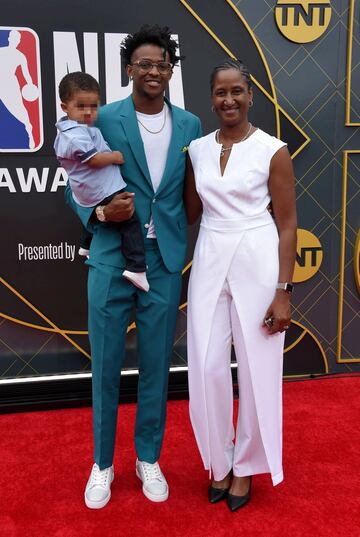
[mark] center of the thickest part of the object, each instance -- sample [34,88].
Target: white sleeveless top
[243,189]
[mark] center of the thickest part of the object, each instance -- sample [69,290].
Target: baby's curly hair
[150,35]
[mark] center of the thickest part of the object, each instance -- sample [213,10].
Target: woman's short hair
[150,35]
[231,64]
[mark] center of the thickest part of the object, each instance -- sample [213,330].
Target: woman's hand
[278,314]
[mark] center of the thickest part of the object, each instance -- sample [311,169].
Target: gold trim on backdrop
[185,269]
[272,99]
[46,319]
[262,56]
[339,359]
[131,326]
[357,262]
[204,25]
[294,343]
[307,331]
[348,122]
[43,328]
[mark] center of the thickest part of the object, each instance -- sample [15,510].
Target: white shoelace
[152,471]
[99,478]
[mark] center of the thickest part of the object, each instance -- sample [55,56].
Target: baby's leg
[85,241]
[134,252]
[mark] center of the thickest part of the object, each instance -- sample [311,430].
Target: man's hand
[120,208]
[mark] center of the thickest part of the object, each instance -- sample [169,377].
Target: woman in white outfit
[239,290]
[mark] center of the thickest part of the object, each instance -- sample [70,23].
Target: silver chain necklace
[154,132]
[223,149]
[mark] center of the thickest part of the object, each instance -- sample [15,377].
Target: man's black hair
[150,35]
[76,81]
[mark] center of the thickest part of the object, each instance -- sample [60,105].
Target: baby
[93,169]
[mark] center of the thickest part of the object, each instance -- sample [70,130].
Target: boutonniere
[185,148]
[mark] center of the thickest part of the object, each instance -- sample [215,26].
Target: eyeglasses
[164,68]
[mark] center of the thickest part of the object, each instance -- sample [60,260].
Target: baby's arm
[100,160]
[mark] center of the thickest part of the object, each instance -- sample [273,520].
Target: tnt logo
[303,21]
[309,255]
[20,91]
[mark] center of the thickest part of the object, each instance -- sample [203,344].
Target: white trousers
[247,456]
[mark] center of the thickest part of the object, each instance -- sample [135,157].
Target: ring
[269,322]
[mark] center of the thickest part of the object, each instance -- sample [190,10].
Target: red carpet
[46,457]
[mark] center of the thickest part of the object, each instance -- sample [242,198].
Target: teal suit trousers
[111,299]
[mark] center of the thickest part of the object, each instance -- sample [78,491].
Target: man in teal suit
[153,136]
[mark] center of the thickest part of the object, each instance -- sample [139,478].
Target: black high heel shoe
[235,502]
[216,495]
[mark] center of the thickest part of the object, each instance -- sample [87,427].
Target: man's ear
[129,71]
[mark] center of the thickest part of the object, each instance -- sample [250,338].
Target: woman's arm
[193,205]
[282,191]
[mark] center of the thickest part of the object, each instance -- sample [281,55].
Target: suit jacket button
[154,200]
[147,226]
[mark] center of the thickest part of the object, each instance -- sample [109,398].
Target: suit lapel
[175,147]
[133,136]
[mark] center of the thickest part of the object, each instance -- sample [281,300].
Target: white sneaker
[155,486]
[139,279]
[97,491]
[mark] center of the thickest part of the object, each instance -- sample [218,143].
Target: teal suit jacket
[118,124]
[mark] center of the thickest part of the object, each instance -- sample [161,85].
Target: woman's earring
[250,103]
[212,109]
[130,77]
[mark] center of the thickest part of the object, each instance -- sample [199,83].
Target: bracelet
[285,286]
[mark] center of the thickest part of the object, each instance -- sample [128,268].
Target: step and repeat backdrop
[304,59]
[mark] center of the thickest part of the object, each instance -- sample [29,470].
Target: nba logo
[21,128]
